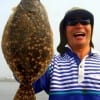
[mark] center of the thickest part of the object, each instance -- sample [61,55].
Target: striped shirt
[73,79]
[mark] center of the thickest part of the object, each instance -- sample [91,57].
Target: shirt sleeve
[42,83]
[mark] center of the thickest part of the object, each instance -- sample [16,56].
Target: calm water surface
[8,90]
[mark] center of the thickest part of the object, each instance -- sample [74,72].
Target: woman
[74,74]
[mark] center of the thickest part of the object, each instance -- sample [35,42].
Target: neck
[81,52]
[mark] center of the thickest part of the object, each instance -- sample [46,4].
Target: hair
[63,40]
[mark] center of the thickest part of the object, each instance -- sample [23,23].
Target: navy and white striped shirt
[69,78]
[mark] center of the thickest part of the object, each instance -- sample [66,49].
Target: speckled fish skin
[27,45]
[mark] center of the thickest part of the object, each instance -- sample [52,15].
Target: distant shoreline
[7,79]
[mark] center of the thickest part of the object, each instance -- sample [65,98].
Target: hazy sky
[56,10]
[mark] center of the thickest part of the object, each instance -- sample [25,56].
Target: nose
[79,24]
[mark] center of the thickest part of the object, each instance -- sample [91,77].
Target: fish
[27,45]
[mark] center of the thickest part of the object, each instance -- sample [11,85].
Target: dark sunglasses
[76,21]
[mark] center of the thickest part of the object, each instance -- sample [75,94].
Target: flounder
[27,45]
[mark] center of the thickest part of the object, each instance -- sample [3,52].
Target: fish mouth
[79,34]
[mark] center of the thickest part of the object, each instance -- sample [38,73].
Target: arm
[42,83]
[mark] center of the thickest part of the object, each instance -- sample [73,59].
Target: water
[9,88]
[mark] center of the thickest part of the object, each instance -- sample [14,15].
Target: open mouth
[79,34]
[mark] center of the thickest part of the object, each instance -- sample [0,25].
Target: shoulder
[95,55]
[95,52]
[58,60]
[58,57]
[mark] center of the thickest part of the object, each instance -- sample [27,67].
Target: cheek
[69,31]
[89,28]
[68,37]
[89,31]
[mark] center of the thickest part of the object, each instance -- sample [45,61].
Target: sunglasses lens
[85,22]
[81,21]
[72,22]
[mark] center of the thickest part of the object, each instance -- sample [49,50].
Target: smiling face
[78,35]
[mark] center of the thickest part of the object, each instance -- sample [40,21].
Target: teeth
[79,34]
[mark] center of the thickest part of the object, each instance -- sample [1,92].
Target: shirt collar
[92,51]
